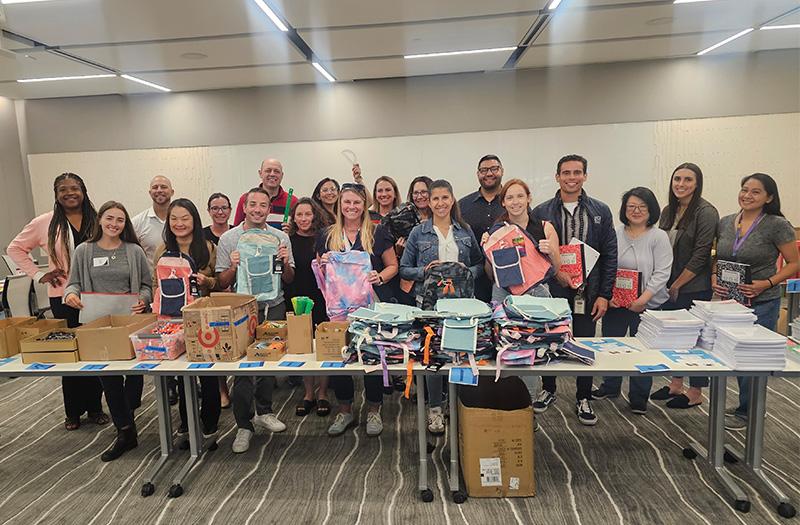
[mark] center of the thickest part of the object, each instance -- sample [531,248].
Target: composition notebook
[572,256]
[730,275]
[627,287]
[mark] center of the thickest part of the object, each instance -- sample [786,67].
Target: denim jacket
[422,248]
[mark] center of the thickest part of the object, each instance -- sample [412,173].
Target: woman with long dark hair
[182,234]
[326,195]
[756,235]
[58,233]
[112,261]
[691,225]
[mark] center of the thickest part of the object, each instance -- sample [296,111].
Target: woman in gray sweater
[113,262]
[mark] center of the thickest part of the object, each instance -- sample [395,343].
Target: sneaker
[535,425]
[241,443]
[639,409]
[543,401]
[730,411]
[341,423]
[586,415]
[374,423]
[735,423]
[270,422]
[602,393]
[210,435]
[435,421]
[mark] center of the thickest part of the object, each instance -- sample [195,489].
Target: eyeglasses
[419,193]
[217,209]
[634,207]
[354,186]
[494,169]
[329,190]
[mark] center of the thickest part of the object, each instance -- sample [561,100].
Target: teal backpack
[255,276]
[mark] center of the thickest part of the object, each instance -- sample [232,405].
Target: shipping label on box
[330,338]
[9,334]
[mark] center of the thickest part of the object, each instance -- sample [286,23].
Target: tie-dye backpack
[344,283]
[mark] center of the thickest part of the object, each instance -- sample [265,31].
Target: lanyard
[739,240]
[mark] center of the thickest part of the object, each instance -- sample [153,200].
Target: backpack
[516,261]
[344,284]
[448,279]
[176,286]
[255,276]
[401,220]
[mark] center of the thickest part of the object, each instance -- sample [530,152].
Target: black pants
[123,395]
[685,301]
[582,326]
[344,388]
[81,394]
[210,404]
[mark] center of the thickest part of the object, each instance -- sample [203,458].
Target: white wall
[620,156]
[16,207]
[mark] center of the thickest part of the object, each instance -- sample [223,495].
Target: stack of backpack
[383,334]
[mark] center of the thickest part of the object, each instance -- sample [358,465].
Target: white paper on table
[590,256]
[96,305]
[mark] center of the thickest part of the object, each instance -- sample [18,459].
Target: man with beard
[271,174]
[481,208]
[149,224]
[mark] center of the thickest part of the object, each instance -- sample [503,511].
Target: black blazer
[692,248]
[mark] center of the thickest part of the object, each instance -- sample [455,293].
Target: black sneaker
[543,401]
[602,393]
[639,408]
[586,415]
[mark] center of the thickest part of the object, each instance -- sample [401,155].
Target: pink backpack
[174,274]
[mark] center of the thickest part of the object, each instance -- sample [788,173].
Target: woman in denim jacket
[442,238]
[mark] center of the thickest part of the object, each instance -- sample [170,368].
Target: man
[149,224]
[576,215]
[481,208]
[246,389]
[271,173]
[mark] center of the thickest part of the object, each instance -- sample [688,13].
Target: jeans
[81,394]
[616,323]
[344,388]
[124,396]
[767,316]
[248,390]
[210,404]
[582,326]
[684,302]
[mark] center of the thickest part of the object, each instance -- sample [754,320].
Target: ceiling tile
[39,64]
[399,67]
[236,77]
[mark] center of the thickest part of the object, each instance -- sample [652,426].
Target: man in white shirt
[149,224]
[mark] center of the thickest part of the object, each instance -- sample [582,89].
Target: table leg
[424,490]
[459,496]
[164,433]
[195,434]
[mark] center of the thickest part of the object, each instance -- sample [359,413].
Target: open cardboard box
[220,327]
[40,343]
[9,335]
[108,338]
[331,337]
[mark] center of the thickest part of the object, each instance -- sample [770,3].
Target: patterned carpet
[627,469]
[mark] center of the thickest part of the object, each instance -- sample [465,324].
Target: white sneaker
[374,423]
[435,421]
[242,442]
[270,422]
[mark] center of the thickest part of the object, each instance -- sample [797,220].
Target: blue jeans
[616,323]
[683,302]
[767,316]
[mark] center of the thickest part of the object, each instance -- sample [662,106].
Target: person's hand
[613,304]
[373,277]
[599,309]
[74,301]
[431,264]
[484,238]
[283,254]
[53,278]
[357,174]
[235,258]
[719,291]
[637,306]
[673,293]
[564,279]
[324,259]
[138,307]
[202,279]
[754,289]
[285,228]
[546,247]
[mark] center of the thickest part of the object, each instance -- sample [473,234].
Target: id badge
[99,261]
[580,305]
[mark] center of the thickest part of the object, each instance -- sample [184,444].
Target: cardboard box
[274,351]
[220,327]
[300,339]
[108,338]
[272,329]
[25,331]
[9,336]
[330,337]
[39,343]
[50,357]
[783,322]
[496,444]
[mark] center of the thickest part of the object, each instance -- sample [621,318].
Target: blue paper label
[93,367]
[647,369]
[463,376]
[145,366]
[332,364]
[40,366]
[200,365]
[251,364]
[291,364]
[6,361]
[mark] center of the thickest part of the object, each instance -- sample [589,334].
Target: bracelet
[771,284]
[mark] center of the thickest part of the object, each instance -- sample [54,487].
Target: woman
[385,198]
[756,235]
[353,230]
[442,238]
[305,223]
[219,208]
[646,249]
[326,195]
[691,224]
[419,194]
[58,232]
[113,262]
[182,234]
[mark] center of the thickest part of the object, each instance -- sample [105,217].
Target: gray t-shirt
[228,243]
[759,250]
[111,272]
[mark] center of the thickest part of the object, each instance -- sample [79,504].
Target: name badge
[580,305]
[100,261]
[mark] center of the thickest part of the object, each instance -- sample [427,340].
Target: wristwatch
[380,280]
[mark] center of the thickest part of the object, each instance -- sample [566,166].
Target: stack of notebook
[751,348]
[717,314]
[796,328]
[669,329]
[533,330]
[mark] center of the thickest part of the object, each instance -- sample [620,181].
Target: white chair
[17,295]
[40,300]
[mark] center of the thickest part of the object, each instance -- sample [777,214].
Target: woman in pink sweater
[58,232]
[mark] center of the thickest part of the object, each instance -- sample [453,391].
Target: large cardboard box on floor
[108,338]
[220,327]
[9,336]
[330,337]
[496,445]
[300,339]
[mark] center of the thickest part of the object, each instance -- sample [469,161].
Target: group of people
[107,251]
